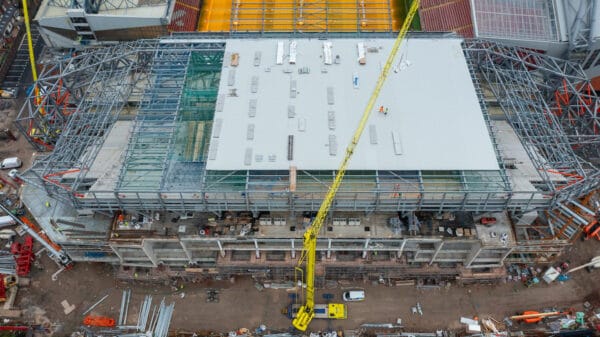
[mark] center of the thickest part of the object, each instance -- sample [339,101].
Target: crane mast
[309,251]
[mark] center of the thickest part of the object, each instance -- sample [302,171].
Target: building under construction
[208,155]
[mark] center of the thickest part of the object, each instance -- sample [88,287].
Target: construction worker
[47,204]
[381,109]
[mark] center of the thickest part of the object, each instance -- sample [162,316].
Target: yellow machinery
[309,251]
[29,41]
[36,90]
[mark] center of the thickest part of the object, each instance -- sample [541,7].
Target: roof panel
[429,105]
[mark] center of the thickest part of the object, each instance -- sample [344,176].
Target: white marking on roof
[293,52]
[279,55]
[327,53]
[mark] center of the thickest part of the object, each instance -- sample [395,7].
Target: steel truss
[580,31]
[80,99]
[553,109]
[546,100]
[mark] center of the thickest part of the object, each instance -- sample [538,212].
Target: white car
[354,295]
[10,163]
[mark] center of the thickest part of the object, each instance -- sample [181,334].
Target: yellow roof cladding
[298,15]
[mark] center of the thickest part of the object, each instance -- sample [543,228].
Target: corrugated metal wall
[447,15]
[596,83]
[185,16]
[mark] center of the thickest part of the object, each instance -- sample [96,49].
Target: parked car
[11,163]
[354,295]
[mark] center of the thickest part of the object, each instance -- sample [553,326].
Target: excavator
[309,310]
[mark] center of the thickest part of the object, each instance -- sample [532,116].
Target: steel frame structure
[580,31]
[172,85]
[153,142]
[100,82]
[552,107]
[81,98]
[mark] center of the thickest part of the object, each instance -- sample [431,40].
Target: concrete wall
[214,252]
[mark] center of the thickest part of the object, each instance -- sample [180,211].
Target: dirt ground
[242,305]
[9,108]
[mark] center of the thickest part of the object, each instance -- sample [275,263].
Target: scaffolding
[554,110]
[81,98]
[168,114]
[552,107]
[171,84]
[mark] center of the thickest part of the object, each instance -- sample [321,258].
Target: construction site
[264,153]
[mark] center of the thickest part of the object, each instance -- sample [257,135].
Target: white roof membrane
[431,117]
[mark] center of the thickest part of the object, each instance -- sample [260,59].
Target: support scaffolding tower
[81,98]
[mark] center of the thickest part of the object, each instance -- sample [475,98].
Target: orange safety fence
[99,321]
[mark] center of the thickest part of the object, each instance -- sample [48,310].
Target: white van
[12,162]
[354,295]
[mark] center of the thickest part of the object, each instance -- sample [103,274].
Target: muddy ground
[242,305]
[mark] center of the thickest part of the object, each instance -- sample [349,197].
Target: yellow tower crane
[29,41]
[306,312]
[34,77]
